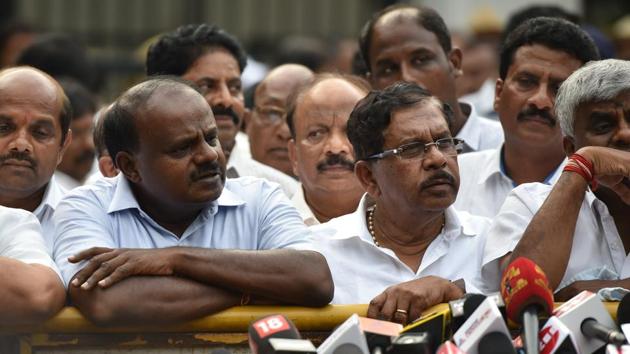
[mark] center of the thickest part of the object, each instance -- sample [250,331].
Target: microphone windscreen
[495,343]
[524,284]
[274,326]
[623,310]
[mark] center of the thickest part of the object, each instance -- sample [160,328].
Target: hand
[611,167]
[566,293]
[108,266]
[405,302]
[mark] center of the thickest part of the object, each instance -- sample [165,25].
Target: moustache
[226,111]
[335,160]
[19,156]
[206,170]
[532,111]
[438,178]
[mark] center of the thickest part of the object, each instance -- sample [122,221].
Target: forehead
[217,63]
[22,90]
[400,31]
[423,120]
[275,90]
[538,58]
[620,101]
[328,98]
[172,111]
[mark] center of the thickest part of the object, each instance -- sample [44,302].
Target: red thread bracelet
[580,165]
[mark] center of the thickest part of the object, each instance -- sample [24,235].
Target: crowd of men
[380,188]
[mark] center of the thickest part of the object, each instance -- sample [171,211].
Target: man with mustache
[534,60]
[214,60]
[171,239]
[320,153]
[79,157]
[267,127]
[576,231]
[405,248]
[35,116]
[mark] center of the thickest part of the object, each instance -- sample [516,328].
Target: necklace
[370,222]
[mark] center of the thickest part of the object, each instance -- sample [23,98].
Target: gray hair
[594,82]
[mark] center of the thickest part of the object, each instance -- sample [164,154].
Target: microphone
[292,346]
[485,319]
[263,329]
[461,309]
[525,290]
[613,349]
[346,339]
[449,348]
[436,321]
[495,343]
[556,338]
[587,318]
[379,334]
[623,310]
[411,343]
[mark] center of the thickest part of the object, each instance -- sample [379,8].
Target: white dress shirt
[480,133]
[483,99]
[243,164]
[250,214]
[597,247]
[483,183]
[299,202]
[361,270]
[21,238]
[45,210]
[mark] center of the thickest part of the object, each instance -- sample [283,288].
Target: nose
[220,97]
[283,132]
[542,98]
[338,143]
[21,142]
[206,153]
[406,74]
[433,158]
[621,139]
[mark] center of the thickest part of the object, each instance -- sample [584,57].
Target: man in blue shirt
[171,239]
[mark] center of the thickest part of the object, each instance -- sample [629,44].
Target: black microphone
[263,329]
[592,328]
[623,310]
[495,343]
[411,343]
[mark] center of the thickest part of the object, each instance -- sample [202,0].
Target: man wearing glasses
[405,248]
[320,153]
[267,127]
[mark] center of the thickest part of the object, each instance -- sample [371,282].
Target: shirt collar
[52,195]
[493,167]
[470,131]
[549,180]
[124,199]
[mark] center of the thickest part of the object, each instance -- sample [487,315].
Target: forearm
[286,276]
[549,237]
[151,300]
[30,293]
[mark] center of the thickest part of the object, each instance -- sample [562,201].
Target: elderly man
[214,60]
[413,44]
[535,59]
[267,128]
[34,119]
[576,231]
[405,247]
[321,155]
[31,289]
[172,239]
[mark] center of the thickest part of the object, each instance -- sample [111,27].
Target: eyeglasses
[417,150]
[270,115]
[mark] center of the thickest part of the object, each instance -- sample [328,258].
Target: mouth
[279,152]
[437,183]
[336,169]
[18,163]
[225,119]
[537,118]
[207,176]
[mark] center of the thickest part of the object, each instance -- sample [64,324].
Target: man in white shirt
[31,290]
[535,58]
[405,248]
[214,60]
[577,235]
[321,155]
[171,239]
[413,44]
[35,118]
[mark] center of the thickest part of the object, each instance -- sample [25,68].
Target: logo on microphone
[270,325]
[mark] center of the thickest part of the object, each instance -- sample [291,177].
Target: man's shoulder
[248,167]
[100,192]
[472,224]
[534,189]
[14,216]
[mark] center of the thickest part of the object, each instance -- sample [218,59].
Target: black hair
[81,99]
[295,97]
[426,17]
[175,52]
[554,33]
[372,115]
[527,13]
[119,121]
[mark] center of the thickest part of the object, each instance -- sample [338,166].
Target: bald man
[267,126]
[35,117]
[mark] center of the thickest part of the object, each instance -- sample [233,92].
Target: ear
[498,88]
[569,145]
[364,173]
[127,164]
[455,58]
[106,166]
[64,146]
[293,156]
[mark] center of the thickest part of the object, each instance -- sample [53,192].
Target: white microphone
[556,338]
[346,339]
[485,319]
